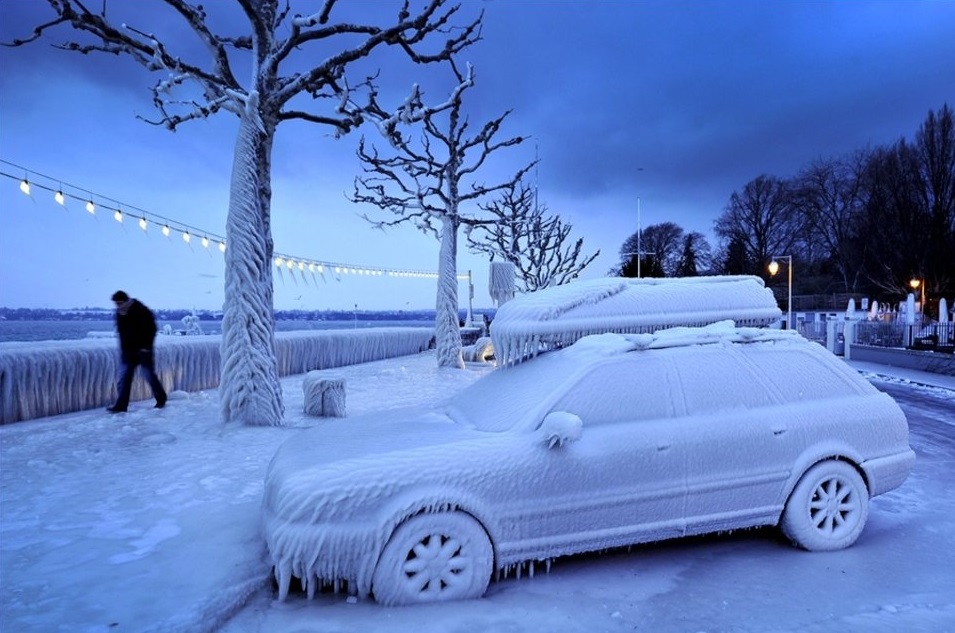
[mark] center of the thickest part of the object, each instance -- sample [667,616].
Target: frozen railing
[38,379]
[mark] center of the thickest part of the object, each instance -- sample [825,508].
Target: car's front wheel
[434,557]
[828,507]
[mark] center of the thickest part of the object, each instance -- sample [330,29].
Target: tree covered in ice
[432,180]
[284,67]
[524,234]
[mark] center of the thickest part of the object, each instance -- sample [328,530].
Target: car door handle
[663,447]
[779,431]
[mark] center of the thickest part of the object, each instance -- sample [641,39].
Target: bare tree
[537,244]
[659,248]
[910,209]
[249,387]
[830,195]
[761,217]
[428,181]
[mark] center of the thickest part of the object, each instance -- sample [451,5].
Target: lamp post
[470,300]
[773,269]
[639,231]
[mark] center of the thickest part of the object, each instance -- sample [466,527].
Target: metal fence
[939,337]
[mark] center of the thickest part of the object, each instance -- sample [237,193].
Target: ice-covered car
[614,440]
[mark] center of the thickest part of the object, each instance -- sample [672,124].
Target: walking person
[137,333]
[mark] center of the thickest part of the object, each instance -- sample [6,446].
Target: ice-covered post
[501,283]
[470,299]
[851,310]
[909,320]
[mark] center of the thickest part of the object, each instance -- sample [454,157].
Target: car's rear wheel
[434,557]
[828,507]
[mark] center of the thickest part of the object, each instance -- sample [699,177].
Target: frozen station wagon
[613,440]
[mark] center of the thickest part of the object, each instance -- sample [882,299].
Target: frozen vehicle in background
[614,440]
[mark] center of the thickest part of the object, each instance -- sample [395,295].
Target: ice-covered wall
[38,379]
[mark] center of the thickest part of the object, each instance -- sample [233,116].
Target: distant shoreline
[66,330]
[103,314]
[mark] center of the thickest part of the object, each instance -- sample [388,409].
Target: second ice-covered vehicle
[614,440]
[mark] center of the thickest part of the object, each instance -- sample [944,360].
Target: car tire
[827,509]
[433,558]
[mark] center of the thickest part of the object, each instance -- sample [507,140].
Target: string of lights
[94,203]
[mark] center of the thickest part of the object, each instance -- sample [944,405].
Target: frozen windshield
[505,399]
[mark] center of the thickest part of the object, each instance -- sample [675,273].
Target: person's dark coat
[137,329]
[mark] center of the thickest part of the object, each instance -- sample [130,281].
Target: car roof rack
[557,317]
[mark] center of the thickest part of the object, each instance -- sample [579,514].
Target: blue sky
[675,103]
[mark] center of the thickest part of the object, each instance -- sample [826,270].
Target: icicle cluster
[38,379]
[501,285]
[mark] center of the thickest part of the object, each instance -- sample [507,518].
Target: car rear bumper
[888,472]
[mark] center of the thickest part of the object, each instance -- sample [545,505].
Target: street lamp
[773,269]
[915,283]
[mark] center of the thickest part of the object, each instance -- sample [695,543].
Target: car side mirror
[561,427]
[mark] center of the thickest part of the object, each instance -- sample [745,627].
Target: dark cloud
[706,94]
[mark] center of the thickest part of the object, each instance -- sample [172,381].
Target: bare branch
[537,244]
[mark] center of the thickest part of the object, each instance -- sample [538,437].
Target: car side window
[715,380]
[632,388]
[799,376]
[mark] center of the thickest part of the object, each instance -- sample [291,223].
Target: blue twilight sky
[677,103]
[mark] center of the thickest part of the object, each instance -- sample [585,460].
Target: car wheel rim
[834,507]
[436,565]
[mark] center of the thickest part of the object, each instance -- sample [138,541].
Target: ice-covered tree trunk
[249,388]
[447,331]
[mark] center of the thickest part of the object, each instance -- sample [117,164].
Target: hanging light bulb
[165,230]
[25,186]
[90,206]
[205,242]
[222,247]
[58,196]
[279,261]
[321,268]
[301,266]
[290,263]
[186,237]
[118,216]
[143,223]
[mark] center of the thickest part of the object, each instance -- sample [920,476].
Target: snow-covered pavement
[148,521]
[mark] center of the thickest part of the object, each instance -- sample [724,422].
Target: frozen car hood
[369,436]
[335,468]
